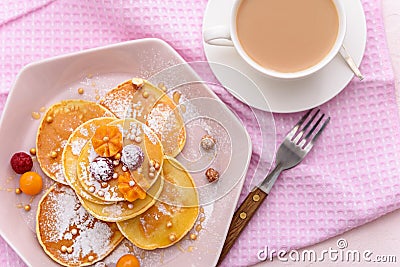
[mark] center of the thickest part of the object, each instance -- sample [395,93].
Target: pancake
[143,177]
[124,210]
[79,137]
[171,217]
[68,233]
[57,124]
[148,104]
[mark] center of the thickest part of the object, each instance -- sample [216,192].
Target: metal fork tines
[291,152]
[296,145]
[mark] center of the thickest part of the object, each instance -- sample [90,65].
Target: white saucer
[294,95]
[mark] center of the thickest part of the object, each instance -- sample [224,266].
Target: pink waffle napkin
[351,176]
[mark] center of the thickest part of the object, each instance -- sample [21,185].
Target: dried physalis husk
[129,188]
[107,141]
[212,175]
[138,82]
[207,142]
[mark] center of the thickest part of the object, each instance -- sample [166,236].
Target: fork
[291,152]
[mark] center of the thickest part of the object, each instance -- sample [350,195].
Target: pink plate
[41,84]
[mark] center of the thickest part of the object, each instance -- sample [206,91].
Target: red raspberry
[102,169]
[21,162]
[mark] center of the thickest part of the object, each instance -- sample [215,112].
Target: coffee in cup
[284,38]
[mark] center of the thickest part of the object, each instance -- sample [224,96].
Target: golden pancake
[135,134]
[57,124]
[79,137]
[139,99]
[165,223]
[124,210]
[68,233]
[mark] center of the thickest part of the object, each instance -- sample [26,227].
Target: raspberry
[102,169]
[132,157]
[21,162]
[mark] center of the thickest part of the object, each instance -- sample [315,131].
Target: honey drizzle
[162,257]
[202,217]
[183,108]
[161,85]
[8,189]
[180,247]
[97,94]
[129,246]
[36,115]
[176,96]
[198,228]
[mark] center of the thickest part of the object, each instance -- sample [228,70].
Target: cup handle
[218,35]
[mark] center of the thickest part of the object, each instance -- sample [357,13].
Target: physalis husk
[129,188]
[107,141]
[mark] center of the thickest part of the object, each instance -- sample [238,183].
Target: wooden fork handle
[241,218]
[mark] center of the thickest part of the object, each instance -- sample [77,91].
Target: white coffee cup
[226,35]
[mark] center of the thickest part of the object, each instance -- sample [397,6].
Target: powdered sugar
[84,131]
[93,128]
[64,212]
[115,210]
[94,237]
[137,110]
[63,143]
[124,131]
[161,119]
[150,134]
[77,145]
[57,170]
[92,153]
[135,128]
[102,169]
[162,208]
[132,156]
[108,193]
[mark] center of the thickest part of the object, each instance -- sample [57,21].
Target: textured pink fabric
[350,178]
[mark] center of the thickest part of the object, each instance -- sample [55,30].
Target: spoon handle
[349,60]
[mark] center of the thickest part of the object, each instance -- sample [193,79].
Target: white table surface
[381,236]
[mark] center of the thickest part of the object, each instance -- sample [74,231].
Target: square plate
[41,84]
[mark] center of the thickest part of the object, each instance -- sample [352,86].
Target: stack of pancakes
[80,220]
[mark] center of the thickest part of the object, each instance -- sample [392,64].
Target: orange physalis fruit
[129,188]
[31,183]
[107,141]
[128,260]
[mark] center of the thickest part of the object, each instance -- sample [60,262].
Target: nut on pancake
[68,233]
[171,217]
[124,210]
[142,177]
[57,124]
[139,99]
[77,140]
